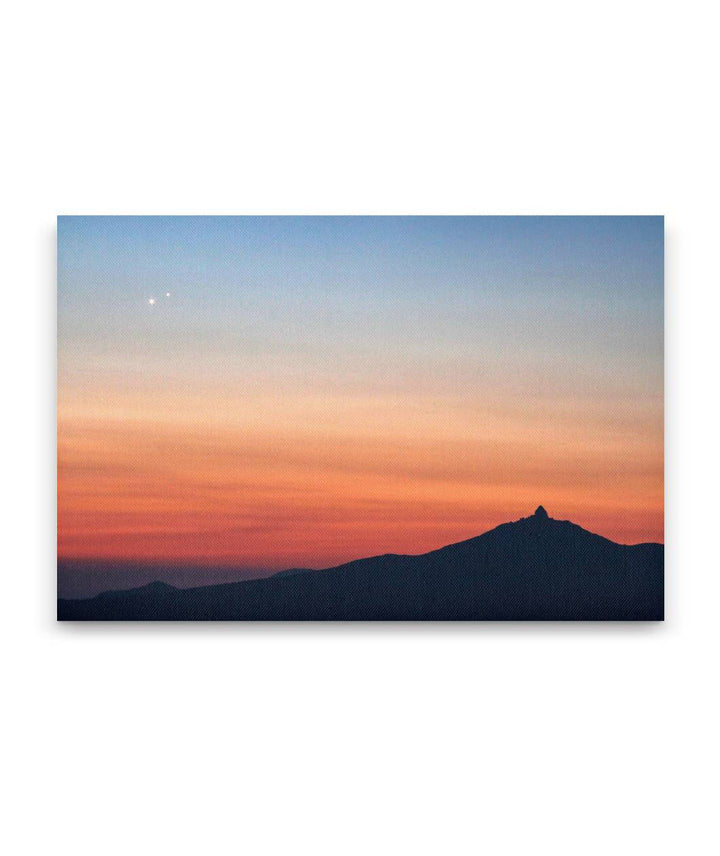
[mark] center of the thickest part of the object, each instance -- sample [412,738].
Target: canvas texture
[360,418]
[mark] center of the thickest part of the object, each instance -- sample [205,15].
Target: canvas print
[360,418]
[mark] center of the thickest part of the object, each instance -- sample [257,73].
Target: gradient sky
[317,389]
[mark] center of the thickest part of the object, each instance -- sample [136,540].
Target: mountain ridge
[534,568]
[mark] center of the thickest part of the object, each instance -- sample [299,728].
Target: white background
[359,739]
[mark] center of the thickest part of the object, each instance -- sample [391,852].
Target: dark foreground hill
[534,569]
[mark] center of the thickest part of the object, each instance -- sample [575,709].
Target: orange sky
[212,480]
[275,392]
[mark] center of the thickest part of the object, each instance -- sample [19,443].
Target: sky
[274,392]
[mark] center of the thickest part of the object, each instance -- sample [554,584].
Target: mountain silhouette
[534,569]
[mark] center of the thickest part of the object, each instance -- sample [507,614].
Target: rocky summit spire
[541,513]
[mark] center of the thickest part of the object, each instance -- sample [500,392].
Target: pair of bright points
[151,301]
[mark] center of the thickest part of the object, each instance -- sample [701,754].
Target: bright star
[152,301]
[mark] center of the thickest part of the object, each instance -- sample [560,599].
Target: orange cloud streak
[273,481]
